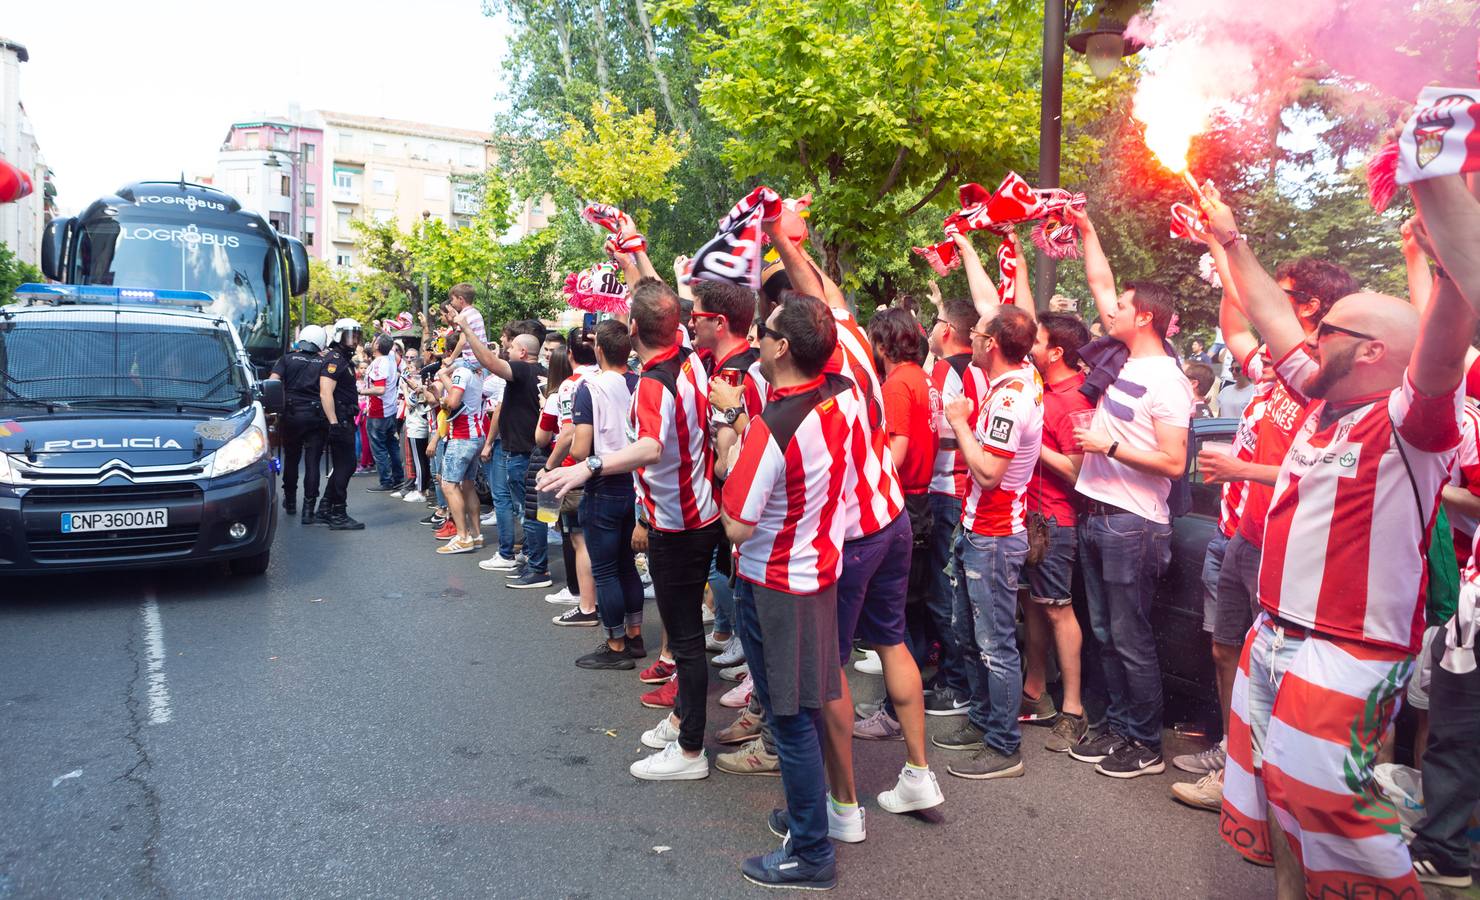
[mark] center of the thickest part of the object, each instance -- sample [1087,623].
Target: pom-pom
[1207,270]
[1382,176]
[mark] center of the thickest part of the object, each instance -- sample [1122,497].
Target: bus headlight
[239,452]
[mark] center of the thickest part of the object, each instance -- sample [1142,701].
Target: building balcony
[344,195]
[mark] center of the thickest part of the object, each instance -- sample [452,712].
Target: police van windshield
[239,267]
[102,363]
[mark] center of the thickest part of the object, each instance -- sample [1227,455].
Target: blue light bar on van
[107,295]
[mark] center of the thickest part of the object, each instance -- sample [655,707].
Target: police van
[133,433]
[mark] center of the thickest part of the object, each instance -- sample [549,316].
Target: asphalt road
[371,720]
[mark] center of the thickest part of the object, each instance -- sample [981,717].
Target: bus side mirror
[274,395]
[54,248]
[297,267]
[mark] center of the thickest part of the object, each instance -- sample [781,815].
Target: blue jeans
[495,476]
[608,519]
[797,744]
[1123,556]
[385,446]
[985,620]
[516,469]
[437,457]
[724,599]
[940,602]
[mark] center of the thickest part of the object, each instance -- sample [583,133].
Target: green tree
[622,159]
[14,273]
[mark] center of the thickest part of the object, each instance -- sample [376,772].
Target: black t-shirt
[521,408]
[346,395]
[300,373]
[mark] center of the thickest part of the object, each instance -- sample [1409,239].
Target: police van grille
[89,545]
[99,496]
[47,544]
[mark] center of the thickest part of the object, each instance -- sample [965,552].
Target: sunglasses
[762,331]
[1326,328]
[1300,296]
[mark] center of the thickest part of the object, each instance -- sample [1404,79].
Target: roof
[402,126]
[21,52]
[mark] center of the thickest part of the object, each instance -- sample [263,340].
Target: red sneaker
[658,672]
[448,530]
[661,697]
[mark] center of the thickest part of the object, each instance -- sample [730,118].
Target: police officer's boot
[339,520]
[307,518]
[290,502]
[323,515]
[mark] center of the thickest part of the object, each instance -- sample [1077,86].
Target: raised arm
[1097,271]
[1444,334]
[805,278]
[1020,277]
[1416,264]
[685,291]
[1451,215]
[983,295]
[1264,300]
[489,359]
[1238,337]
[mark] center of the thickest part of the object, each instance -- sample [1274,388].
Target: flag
[733,255]
[1442,137]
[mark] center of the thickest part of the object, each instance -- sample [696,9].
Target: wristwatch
[731,415]
[594,464]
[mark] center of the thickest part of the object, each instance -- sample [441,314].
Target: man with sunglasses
[1310,287]
[1341,584]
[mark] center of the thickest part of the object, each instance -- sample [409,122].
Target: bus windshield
[238,266]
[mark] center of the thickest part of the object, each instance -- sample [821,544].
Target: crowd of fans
[785,483]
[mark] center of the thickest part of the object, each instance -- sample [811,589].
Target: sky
[147,89]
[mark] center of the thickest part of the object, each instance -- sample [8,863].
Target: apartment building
[22,222]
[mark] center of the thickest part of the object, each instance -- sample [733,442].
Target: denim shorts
[1050,582]
[1238,592]
[459,462]
[873,588]
[1211,571]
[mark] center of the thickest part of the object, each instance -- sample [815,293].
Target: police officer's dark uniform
[339,369]
[303,427]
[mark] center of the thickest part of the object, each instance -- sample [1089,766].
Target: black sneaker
[988,763]
[434,520]
[945,702]
[381,489]
[574,616]
[635,649]
[1431,869]
[604,657]
[781,869]
[966,737]
[1096,747]
[529,579]
[1132,760]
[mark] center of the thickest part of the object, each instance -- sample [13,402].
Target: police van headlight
[240,452]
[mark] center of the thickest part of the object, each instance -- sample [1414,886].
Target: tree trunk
[561,26]
[598,42]
[658,74]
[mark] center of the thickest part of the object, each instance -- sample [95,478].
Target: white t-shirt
[493,392]
[1165,395]
[611,399]
[384,372]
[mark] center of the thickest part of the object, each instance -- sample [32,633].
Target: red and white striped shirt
[954,377]
[875,497]
[382,374]
[1346,540]
[1010,425]
[467,422]
[671,406]
[1273,434]
[789,482]
[1235,493]
[1465,472]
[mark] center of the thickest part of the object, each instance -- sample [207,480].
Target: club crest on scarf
[597,289]
[734,254]
[1442,137]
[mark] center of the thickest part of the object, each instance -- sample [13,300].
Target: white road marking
[159,689]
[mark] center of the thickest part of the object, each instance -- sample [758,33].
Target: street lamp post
[293,189]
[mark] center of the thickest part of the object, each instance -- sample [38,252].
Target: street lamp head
[1104,45]
[273,162]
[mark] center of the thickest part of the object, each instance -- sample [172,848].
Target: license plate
[114,520]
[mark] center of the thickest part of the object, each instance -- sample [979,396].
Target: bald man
[1341,582]
[518,415]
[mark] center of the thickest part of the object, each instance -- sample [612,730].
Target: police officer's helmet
[312,338]
[344,327]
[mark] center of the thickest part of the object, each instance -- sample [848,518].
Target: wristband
[1440,274]
[1114,445]
[1236,236]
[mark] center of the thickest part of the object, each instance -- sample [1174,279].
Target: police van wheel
[251,565]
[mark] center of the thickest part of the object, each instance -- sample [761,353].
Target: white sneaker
[563,597]
[733,654]
[488,519]
[671,764]
[870,664]
[737,696]
[414,497]
[648,593]
[916,789]
[736,673]
[849,829]
[713,645]
[498,563]
[660,736]
[708,616]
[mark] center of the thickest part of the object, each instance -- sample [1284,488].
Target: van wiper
[151,403]
[51,406]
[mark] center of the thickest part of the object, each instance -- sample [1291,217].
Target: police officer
[303,427]
[340,398]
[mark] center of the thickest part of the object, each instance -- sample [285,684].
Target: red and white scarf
[733,255]
[597,289]
[1442,137]
[1055,235]
[614,220]
[1012,203]
[401,322]
[1187,223]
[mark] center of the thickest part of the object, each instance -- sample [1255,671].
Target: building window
[310,196]
[251,140]
[347,144]
[308,238]
[472,157]
[384,183]
[380,148]
[383,215]
[310,223]
[308,153]
[344,181]
[343,222]
[434,187]
[285,188]
[344,260]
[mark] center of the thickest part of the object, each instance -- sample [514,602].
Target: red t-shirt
[912,409]
[1047,492]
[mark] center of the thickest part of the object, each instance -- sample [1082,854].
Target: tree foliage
[14,273]
[622,158]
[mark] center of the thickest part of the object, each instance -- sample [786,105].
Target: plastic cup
[1224,447]
[1082,418]
[547,507]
